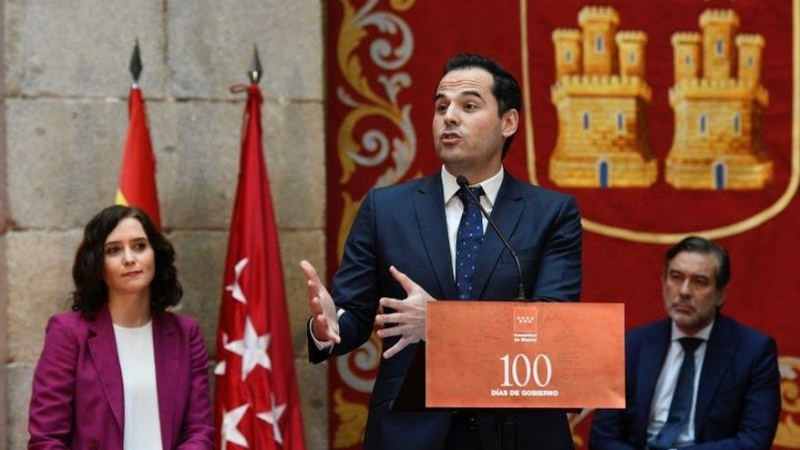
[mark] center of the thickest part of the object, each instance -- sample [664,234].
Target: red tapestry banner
[663,118]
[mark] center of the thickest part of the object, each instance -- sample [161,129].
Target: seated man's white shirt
[665,387]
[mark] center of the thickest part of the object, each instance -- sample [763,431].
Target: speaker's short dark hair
[504,86]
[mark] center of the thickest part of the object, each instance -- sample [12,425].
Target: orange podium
[524,355]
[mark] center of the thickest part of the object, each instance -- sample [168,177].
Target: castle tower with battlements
[718,29]
[687,60]
[631,53]
[718,141]
[601,98]
[598,27]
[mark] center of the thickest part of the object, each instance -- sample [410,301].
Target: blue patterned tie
[681,406]
[468,242]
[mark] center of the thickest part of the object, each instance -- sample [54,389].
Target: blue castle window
[603,174]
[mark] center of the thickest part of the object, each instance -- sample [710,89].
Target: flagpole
[137,180]
[257,401]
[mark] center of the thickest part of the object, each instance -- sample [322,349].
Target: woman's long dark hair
[91,292]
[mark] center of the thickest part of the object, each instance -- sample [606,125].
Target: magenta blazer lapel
[167,356]
[103,349]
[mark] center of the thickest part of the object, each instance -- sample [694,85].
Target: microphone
[464,183]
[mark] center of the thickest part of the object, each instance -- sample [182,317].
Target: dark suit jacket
[405,226]
[77,399]
[738,397]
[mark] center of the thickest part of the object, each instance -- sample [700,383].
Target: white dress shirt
[454,207]
[142,427]
[665,387]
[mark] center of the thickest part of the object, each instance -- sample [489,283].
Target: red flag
[137,179]
[257,404]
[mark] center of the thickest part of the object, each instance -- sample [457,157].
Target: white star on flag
[235,288]
[220,368]
[252,348]
[230,423]
[272,417]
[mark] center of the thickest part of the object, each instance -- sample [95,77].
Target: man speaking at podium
[427,240]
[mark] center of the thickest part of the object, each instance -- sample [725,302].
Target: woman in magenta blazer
[121,372]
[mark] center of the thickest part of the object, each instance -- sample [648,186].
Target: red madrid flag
[137,179]
[257,404]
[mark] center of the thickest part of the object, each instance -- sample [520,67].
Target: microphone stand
[507,429]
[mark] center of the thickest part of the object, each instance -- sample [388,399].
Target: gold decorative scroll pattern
[390,146]
[788,434]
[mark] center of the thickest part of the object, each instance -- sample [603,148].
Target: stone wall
[63,126]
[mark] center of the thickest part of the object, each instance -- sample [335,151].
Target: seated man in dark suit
[726,396]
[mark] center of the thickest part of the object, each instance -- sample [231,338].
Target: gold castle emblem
[718,140]
[602,97]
